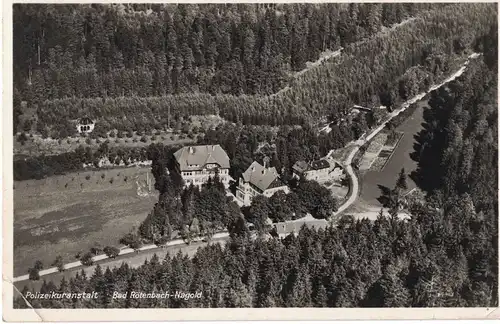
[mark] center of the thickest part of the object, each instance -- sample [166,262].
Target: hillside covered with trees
[132,67]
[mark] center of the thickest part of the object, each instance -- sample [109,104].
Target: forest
[445,255]
[132,67]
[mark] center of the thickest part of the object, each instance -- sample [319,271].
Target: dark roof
[320,164]
[301,166]
[85,121]
[196,157]
[260,177]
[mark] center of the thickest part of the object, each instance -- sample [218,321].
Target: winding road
[357,144]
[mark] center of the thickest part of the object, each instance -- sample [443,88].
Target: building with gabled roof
[317,170]
[196,164]
[85,125]
[259,180]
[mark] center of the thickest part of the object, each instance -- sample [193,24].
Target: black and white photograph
[313,156]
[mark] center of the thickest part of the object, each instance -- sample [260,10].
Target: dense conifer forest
[130,67]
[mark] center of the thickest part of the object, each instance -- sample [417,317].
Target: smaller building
[259,180]
[316,170]
[337,173]
[282,229]
[85,125]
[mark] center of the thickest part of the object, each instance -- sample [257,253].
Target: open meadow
[63,215]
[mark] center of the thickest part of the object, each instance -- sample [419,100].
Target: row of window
[84,128]
[212,173]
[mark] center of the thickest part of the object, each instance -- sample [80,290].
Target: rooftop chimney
[266,161]
[191,150]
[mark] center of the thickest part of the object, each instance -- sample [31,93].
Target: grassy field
[63,215]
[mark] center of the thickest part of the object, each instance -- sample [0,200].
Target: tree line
[39,167]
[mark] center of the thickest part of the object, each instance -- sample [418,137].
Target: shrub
[144,139]
[131,240]
[22,138]
[111,180]
[38,265]
[34,274]
[135,140]
[153,138]
[95,250]
[111,251]
[86,259]
[68,141]
[78,255]
[87,177]
[88,141]
[162,240]
[58,262]
[125,179]
[103,175]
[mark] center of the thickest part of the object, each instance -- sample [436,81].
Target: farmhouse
[196,164]
[85,125]
[316,170]
[259,180]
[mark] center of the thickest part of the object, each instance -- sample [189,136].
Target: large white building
[259,180]
[196,164]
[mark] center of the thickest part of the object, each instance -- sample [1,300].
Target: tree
[401,182]
[87,259]
[59,263]
[131,240]
[38,265]
[111,251]
[34,274]
[259,213]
